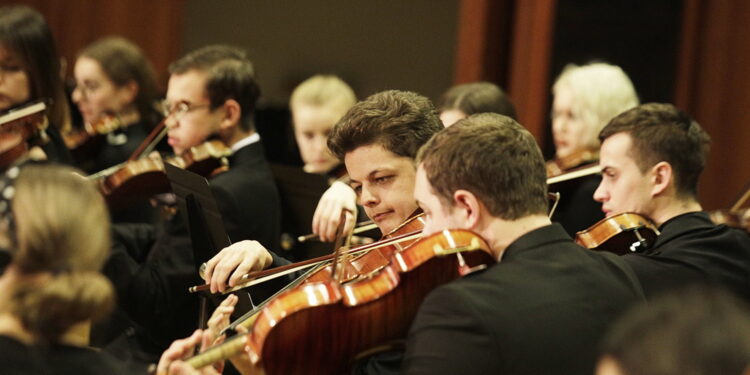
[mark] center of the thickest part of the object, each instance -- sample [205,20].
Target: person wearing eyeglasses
[211,95]
[113,78]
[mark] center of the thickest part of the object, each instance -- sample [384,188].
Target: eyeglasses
[180,109]
[86,89]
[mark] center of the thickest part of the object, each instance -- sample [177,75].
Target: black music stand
[207,233]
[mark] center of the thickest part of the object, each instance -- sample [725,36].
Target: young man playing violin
[378,139]
[547,302]
[651,157]
[212,93]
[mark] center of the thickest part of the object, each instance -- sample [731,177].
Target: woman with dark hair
[30,71]
[114,77]
[464,100]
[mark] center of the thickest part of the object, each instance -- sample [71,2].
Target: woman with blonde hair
[54,232]
[585,98]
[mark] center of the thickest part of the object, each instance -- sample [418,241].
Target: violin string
[301,267]
[233,326]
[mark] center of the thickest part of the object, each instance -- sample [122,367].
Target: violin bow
[343,241]
[742,199]
[148,144]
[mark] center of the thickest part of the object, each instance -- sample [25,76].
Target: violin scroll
[21,128]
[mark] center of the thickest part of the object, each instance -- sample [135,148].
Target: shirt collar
[250,139]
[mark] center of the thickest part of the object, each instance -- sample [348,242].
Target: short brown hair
[661,132]
[697,331]
[478,97]
[493,157]
[124,62]
[230,76]
[400,121]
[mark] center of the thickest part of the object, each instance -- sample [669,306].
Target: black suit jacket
[577,209]
[692,249]
[541,310]
[152,267]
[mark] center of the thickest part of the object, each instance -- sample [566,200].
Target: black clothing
[577,209]
[19,358]
[112,149]
[152,268]
[692,249]
[541,310]
[66,359]
[55,148]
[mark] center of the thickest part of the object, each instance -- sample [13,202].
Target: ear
[661,178]
[232,114]
[468,207]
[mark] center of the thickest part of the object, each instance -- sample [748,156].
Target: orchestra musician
[584,99]
[114,78]
[651,158]
[377,139]
[55,239]
[467,99]
[30,69]
[527,314]
[212,92]
[317,104]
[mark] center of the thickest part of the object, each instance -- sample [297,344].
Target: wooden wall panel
[713,85]
[156,26]
[529,81]
[509,43]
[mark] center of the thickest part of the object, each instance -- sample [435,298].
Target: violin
[328,323]
[82,142]
[20,129]
[623,233]
[398,238]
[558,166]
[736,219]
[146,176]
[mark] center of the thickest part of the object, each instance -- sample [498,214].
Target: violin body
[82,143]
[559,166]
[329,324]
[18,128]
[135,180]
[145,177]
[623,233]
